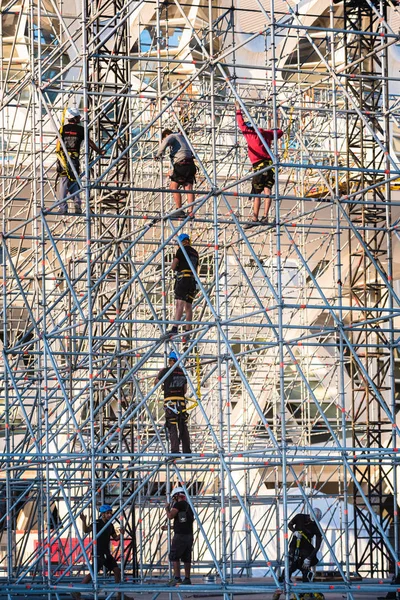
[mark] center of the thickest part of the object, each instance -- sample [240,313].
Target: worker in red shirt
[260,158]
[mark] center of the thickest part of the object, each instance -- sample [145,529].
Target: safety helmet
[183,236]
[72,113]
[173,356]
[318,513]
[177,490]
[104,508]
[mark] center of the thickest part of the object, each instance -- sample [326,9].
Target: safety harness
[171,403]
[184,273]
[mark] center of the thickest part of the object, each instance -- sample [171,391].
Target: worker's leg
[189,314]
[77,595]
[171,421]
[177,568]
[256,208]
[179,308]
[62,193]
[74,187]
[184,433]
[267,205]
[187,559]
[117,574]
[187,566]
[173,186]
[190,197]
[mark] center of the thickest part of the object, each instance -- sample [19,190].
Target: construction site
[291,353]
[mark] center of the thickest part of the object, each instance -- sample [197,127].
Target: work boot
[174,581]
[251,224]
[78,209]
[180,215]
[187,581]
[63,210]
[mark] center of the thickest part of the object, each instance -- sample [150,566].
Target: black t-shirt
[183,507]
[103,540]
[183,263]
[73,136]
[174,384]
[309,528]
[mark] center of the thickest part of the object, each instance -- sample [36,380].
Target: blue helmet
[183,236]
[104,508]
[173,356]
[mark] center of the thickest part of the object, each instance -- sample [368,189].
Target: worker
[105,531]
[185,282]
[176,415]
[72,134]
[182,542]
[302,553]
[262,183]
[183,172]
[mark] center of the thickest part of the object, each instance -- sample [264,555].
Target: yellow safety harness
[172,401]
[184,273]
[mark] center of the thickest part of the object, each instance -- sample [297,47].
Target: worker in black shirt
[182,542]
[176,416]
[185,284]
[105,531]
[72,134]
[302,553]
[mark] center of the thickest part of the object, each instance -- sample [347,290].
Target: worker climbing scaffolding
[185,283]
[264,178]
[72,135]
[175,405]
[183,171]
[302,553]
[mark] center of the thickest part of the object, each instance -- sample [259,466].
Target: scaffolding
[292,358]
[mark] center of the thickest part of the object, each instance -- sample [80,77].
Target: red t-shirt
[256,150]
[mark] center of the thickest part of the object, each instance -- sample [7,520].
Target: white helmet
[177,490]
[318,513]
[72,113]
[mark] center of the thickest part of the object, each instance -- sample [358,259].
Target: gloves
[297,534]
[306,563]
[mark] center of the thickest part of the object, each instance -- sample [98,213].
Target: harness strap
[175,399]
[265,163]
[184,273]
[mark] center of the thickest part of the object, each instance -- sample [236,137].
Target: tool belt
[185,273]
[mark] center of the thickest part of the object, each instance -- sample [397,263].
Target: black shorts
[181,547]
[185,289]
[184,173]
[262,180]
[107,561]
